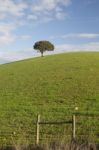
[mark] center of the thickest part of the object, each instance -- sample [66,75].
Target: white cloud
[7,27]
[6,39]
[9,7]
[93,46]
[6,33]
[13,14]
[36,10]
[24,37]
[77,35]
[2,16]
[42,5]
[10,55]
[60,15]
[6,36]
[50,9]
[32,17]
[88,35]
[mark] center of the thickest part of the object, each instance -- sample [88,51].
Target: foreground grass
[73,145]
[51,86]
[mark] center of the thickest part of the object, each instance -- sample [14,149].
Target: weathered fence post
[38,130]
[73,127]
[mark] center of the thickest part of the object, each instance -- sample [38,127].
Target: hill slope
[51,86]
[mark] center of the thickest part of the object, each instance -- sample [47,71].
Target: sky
[71,25]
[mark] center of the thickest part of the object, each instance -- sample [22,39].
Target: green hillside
[51,86]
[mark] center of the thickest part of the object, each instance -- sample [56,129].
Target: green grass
[51,86]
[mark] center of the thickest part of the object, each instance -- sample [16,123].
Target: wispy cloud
[5,28]
[91,46]
[10,55]
[60,14]
[46,5]
[77,35]
[6,39]
[50,8]
[14,14]
[10,7]
[37,8]
[24,37]
[6,35]
[32,17]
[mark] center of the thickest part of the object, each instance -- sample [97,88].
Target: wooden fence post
[38,130]
[73,127]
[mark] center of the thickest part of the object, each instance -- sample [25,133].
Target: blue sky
[71,25]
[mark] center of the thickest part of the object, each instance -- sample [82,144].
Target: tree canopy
[43,46]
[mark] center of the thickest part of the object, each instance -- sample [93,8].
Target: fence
[74,126]
[73,122]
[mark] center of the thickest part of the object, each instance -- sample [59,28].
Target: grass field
[51,86]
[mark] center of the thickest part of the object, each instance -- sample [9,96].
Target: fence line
[73,122]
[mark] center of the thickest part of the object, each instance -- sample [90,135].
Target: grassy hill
[51,86]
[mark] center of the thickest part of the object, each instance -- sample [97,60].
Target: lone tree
[43,46]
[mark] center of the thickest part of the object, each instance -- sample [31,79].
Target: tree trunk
[41,54]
